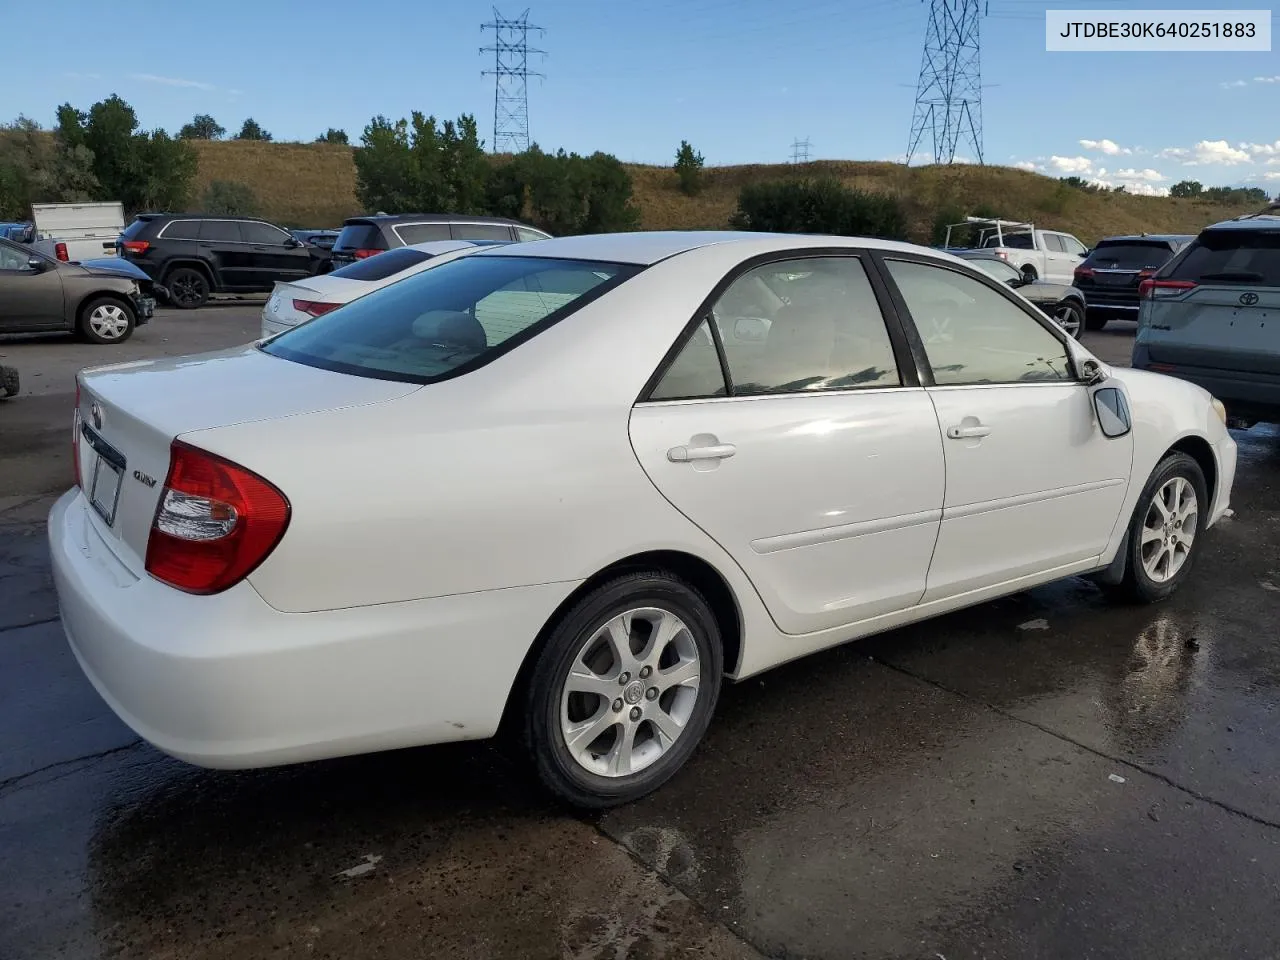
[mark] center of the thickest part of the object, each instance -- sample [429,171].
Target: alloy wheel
[1169,529]
[187,288]
[1068,317]
[630,692]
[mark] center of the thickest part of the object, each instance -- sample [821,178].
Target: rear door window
[1231,256]
[480,231]
[383,265]
[1053,243]
[220,231]
[449,319]
[411,233]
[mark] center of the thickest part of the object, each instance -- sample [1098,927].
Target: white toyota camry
[293,303]
[574,484]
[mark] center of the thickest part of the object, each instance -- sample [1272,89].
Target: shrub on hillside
[230,198]
[688,168]
[819,206]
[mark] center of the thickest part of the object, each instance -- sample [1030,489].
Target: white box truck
[77,231]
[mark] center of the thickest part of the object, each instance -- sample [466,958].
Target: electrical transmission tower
[511,72]
[949,91]
[800,150]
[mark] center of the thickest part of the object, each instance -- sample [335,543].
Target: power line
[511,74]
[949,89]
[800,150]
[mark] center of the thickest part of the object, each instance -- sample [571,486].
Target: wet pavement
[1048,776]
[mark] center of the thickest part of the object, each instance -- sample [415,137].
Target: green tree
[251,130]
[819,206]
[564,193]
[688,168]
[333,135]
[38,168]
[229,198]
[1186,189]
[420,164]
[202,127]
[170,166]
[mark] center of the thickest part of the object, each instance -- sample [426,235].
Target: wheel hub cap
[634,692]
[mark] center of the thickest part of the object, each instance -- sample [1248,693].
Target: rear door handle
[714,451]
[964,433]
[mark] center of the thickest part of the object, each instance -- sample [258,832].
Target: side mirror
[1113,412]
[1016,282]
[1091,372]
[36,264]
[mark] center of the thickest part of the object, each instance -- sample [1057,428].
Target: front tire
[1166,531]
[623,690]
[107,320]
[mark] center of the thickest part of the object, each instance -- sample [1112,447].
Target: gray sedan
[1061,301]
[102,300]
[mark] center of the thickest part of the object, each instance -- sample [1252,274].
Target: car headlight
[1220,410]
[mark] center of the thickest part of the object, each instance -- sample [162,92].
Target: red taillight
[60,251]
[1152,289]
[75,437]
[365,254]
[1082,272]
[314,308]
[215,523]
[136,246]
[1002,255]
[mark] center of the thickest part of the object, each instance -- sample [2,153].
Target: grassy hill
[313,185]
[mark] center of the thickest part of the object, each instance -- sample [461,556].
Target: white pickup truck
[1039,254]
[77,231]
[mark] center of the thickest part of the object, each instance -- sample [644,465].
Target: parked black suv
[194,255]
[363,237]
[1109,276]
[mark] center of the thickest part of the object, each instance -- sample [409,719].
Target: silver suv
[1211,315]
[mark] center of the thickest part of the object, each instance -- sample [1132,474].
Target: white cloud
[171,81]
[1233,84]
[1257,150]
[1138,188]
[1075,165]
[1109,147]
[1028,166]
[1266,79]
[1206,152]
[1146,174]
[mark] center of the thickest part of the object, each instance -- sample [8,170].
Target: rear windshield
[1017,241]
[1130,255]
[360,236]
[383,265]
[135,228]
[447,320]
[1232,256]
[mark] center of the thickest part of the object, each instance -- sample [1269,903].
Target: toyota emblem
[96,413]
[1248,299]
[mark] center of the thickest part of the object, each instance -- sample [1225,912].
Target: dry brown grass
[314,185]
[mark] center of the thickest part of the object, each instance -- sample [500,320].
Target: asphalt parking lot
[1043,776]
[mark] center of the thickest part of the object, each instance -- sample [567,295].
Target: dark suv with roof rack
[196,255]
[363,237]
[1110,275]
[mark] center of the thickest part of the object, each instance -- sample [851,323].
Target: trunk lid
[1216,327]
[129,414]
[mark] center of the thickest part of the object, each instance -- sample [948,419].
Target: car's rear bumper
[228,681]
[1244,393]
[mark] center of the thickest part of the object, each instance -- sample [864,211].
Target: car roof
[199,216]
[646,248]
[380,218]
[1132,237]
[1262,221]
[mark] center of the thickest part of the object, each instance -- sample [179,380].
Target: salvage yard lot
[1044,776]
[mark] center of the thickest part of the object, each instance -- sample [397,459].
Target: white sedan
[575,484]
[293,303]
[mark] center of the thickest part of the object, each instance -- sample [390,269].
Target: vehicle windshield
[135,228]
[1130,255]
[1232,256]
[383,265]
[449,319]
[1016,241]
[360,236]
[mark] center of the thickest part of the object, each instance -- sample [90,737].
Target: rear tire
[1165,531]
[107,320]
[188,288]
[633,669]
[1094,322]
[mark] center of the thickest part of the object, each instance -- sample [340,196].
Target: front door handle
[965,433]
[711,451]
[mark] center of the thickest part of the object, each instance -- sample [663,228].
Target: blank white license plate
[104,488]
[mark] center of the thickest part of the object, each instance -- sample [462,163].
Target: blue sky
[741,79]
